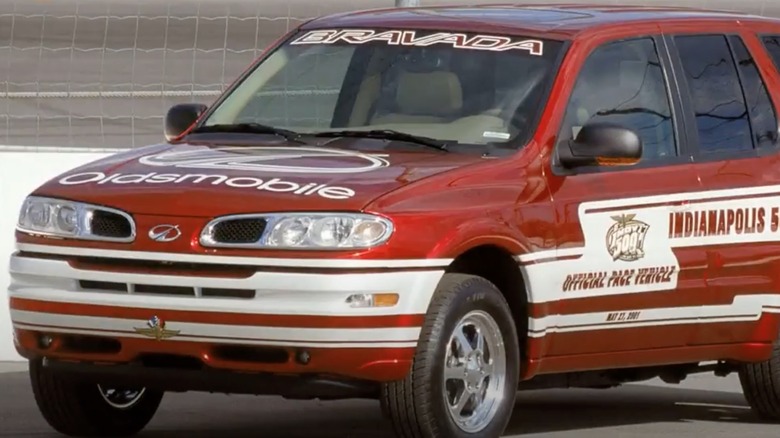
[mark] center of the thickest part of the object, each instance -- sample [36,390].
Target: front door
[619,285]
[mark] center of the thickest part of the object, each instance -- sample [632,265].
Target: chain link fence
[102,73]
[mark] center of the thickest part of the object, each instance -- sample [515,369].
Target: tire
[80,409]
[417,406]
[761,386]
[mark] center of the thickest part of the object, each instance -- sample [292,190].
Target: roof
[552,19]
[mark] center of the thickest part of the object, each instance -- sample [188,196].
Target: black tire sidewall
[77,408]
[471,293]
[760,387]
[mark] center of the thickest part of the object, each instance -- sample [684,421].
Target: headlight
[75,220]
[297,231]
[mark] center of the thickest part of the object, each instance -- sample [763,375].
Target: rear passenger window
[721,114]
[763,118]
[772,44]
[622,83]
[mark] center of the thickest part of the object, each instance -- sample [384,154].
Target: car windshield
[456,87]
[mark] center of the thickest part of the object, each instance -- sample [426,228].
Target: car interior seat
[420,97]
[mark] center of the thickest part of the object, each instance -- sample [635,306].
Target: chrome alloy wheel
[475,371]
[122,398]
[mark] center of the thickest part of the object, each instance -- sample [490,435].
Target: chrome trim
[206,235]
[127,216]
[85,212]
[164,236]
[272,219]
[477,371]
[123,398]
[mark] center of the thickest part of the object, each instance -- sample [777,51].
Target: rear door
[736,221]
[621,286]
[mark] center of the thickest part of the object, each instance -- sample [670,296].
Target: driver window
[623,83]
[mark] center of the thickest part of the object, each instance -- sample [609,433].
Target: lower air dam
[244,182]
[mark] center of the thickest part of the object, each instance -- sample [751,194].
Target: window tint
[772,44]
[721,114]
[623,83]
[762,114]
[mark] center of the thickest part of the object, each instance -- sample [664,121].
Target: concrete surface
[705,406]
[12,366]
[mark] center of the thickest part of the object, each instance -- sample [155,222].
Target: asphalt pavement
[704,405]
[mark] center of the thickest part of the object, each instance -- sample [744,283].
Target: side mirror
[180,117]
[602,144]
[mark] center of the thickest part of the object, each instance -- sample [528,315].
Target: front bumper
[134,375]
[295,321]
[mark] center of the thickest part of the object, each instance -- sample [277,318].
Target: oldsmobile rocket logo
[277,159]
[626,238]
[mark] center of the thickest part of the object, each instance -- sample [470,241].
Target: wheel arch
[498,265]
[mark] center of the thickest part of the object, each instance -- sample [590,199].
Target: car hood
[208,180]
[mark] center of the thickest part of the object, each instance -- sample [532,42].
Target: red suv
[430,207]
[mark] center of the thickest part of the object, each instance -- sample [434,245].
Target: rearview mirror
[180,117]
[602,144]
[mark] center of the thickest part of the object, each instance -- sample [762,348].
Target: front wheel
[80,409]
[464,377]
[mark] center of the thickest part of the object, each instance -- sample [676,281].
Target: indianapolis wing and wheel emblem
[155,328]
[271,159]
[165,233]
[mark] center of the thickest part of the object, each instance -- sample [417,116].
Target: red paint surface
[238,319]
[379,364]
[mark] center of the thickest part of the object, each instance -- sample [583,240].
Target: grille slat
[153,289]
[227,293]
[103,285]
[239,230]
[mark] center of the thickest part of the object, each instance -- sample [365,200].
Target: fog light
[45,341]
[372,300]
[303,357]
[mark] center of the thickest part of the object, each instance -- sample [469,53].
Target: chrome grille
[107,224]
[239,230]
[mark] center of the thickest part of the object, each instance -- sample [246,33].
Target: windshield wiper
[387,134]
[250,128]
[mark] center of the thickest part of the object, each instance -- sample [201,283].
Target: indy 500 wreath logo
[626,238]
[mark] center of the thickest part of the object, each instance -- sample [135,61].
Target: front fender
[478,233]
